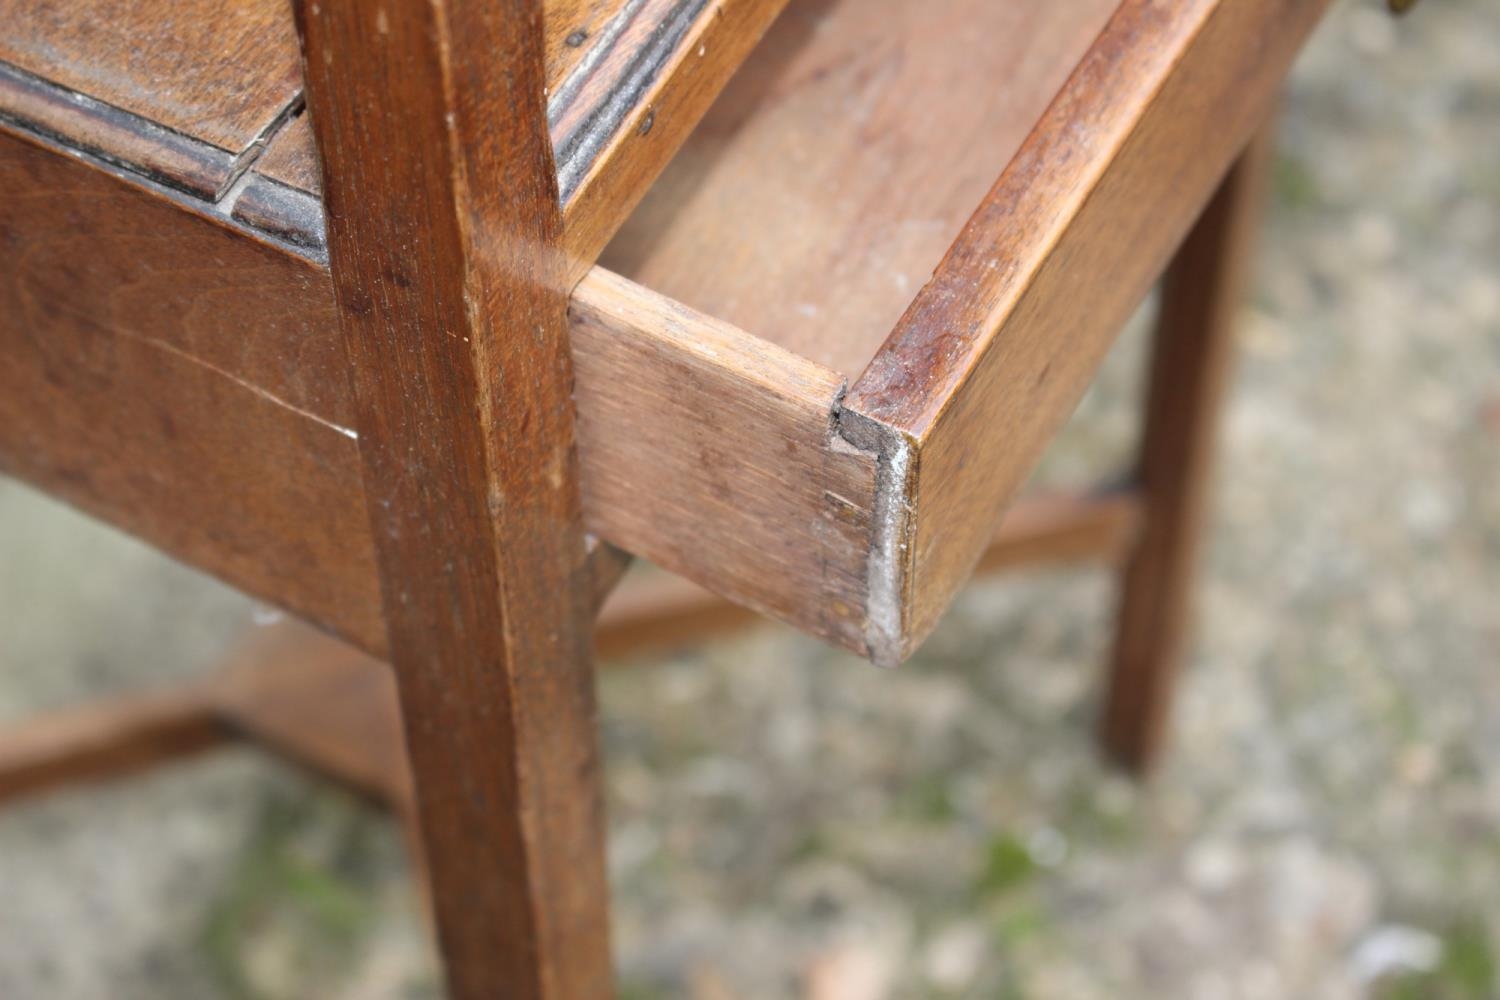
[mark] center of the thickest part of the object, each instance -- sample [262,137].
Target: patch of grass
[1085,820]
[1294,184]
[927,799]
[1467,971]
[301,891]
[1020,924]
[1468,960]
[631,990]
[1007,865]
[813,844]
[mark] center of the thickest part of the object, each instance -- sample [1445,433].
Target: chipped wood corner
[887,624]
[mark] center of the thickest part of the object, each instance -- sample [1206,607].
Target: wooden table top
[192,94]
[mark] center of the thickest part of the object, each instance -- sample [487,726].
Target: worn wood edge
[888,579]
[901,402]
[124,140]
[303,244]
[597,100]
[290,216]
[1099,524]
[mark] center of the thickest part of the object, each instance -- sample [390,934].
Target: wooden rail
[323,704]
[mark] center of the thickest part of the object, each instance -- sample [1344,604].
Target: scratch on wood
[176,351]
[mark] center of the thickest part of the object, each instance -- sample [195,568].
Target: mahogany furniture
[380,311]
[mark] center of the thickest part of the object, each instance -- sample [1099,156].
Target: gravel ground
[786,821]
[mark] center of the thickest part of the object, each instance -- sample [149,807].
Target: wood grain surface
[444,238]
[291,158]
[840,163]
[168,375]
[671,94]
[220,72]
[216,72]
[196,95]
[995,351]
[753,497]
[158,153]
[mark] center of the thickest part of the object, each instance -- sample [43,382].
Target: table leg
[444,231]
[1191,354]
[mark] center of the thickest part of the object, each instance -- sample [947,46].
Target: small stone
[851,971]
[952,959]
[707,983]
[1047,847]
[1212,866]
[1374,237]
[1427,508]
[1417,764]
[1394,948]
[1479,299]
[1261,980]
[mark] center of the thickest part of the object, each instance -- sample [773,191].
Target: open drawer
[813,366]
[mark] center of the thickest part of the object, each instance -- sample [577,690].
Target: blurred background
[789,822]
